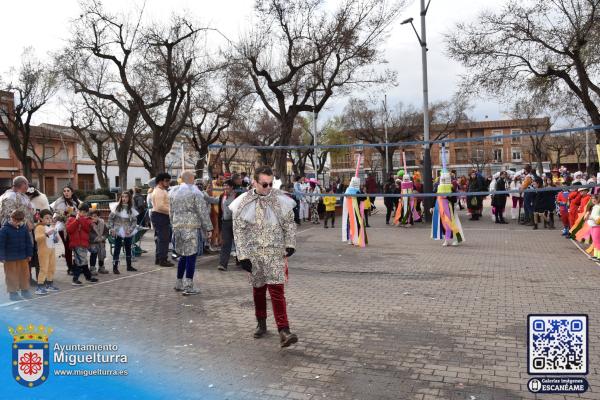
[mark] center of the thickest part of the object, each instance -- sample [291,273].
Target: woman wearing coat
[499,200]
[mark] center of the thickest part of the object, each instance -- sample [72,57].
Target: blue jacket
[15,243]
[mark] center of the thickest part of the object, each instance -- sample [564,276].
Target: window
[85,182]
[516,154]
[477,133]
[460,135]
[397,159]
[515,140]
[61,182]
[4,149]
[62,154]
[81,153]
[117,181]
[138,182]
[461,155]
[410,159]
[498,155]
[49,152]
[498,132]
[477,155]
[3,113]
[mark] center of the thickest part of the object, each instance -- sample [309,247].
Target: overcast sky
[44,25]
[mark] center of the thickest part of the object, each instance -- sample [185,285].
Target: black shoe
[286,338]
[131,269]
[166,263]
[76,283]
[92,280]
[261,328]
[222,268]
[116,271]
[325,226]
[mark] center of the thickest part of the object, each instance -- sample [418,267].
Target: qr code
[557,344]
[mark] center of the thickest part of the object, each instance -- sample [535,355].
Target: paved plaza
[402,319]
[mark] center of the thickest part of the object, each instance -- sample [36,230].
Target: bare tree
[41,137]
[95,143]
[529,111]
[448,115]
[559,147]
[215,109]
[32,85]
[155,68]
[545,47]
[259,129]
[364,118]
[300,54]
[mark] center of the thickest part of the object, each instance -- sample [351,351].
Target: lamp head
[407,21]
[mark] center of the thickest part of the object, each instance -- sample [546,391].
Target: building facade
[488,156]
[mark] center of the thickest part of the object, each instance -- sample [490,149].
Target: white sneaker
[178,285]
[455,243]
[189,289]
[445,243]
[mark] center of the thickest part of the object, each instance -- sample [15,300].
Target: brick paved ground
[402,319]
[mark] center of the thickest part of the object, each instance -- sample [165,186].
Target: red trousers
[277,301]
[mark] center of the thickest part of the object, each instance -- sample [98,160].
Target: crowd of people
[254,220]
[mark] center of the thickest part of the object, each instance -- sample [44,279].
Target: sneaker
[131,269]
[222,268]
[52,288]
[178,285]
[92,280]
[15,296]
[26,294]
[76,283]
[40,291]
[102,271]
[188,288]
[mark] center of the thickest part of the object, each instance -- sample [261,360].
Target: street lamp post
[387,149]
[427,179]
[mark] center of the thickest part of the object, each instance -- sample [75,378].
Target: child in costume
[562,205]
[406,212]
[46,237]
[329,202]
[445,222]
[353,214]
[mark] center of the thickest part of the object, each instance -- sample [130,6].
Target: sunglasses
[266,185]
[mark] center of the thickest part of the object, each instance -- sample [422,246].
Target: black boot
[286,338]
[116,268]
[129,267]
[261,328]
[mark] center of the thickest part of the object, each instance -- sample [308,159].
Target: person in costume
[122,226]
[353,213]
[406,212]
[189,212]
[594,223]
[475,203]
[562,205]
[265,237]
[445,222]
[391,203]
[557,179]
[579,223]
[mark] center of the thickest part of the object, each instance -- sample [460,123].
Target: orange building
[53,155]
[488,156]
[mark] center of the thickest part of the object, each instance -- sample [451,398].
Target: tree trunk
[123,166]
[26,166]
[101,174]
[280,156]
[41,183]
[157,163]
